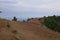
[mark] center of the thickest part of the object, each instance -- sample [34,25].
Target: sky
[29,8]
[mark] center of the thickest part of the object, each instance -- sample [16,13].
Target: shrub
[24,21]
[52,22]
[14,18]
[8,25]
[15,35]
[28,19]
[14,31]
[0,11]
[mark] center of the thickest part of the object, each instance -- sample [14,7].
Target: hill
[30,30]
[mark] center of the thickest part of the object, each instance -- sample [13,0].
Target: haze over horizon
[29,8]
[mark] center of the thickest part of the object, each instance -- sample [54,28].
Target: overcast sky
[29,8]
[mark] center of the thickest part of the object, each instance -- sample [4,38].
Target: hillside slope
[31,30]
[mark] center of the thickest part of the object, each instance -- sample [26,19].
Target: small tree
[28,19]
[0,11]
[24,21]
[14,18]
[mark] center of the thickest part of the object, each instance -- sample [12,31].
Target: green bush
[0,11]
[14,18]
[52,22]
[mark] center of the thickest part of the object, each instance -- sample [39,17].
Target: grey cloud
[7,2]
[7,6]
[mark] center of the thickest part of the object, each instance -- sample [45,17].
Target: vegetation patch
[14,31]
[52,22]
[2,19]
[8,25]
[14,18]
[15,35]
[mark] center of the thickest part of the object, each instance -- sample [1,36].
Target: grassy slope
[32,30]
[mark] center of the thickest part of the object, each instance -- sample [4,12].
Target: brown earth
[31,30]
